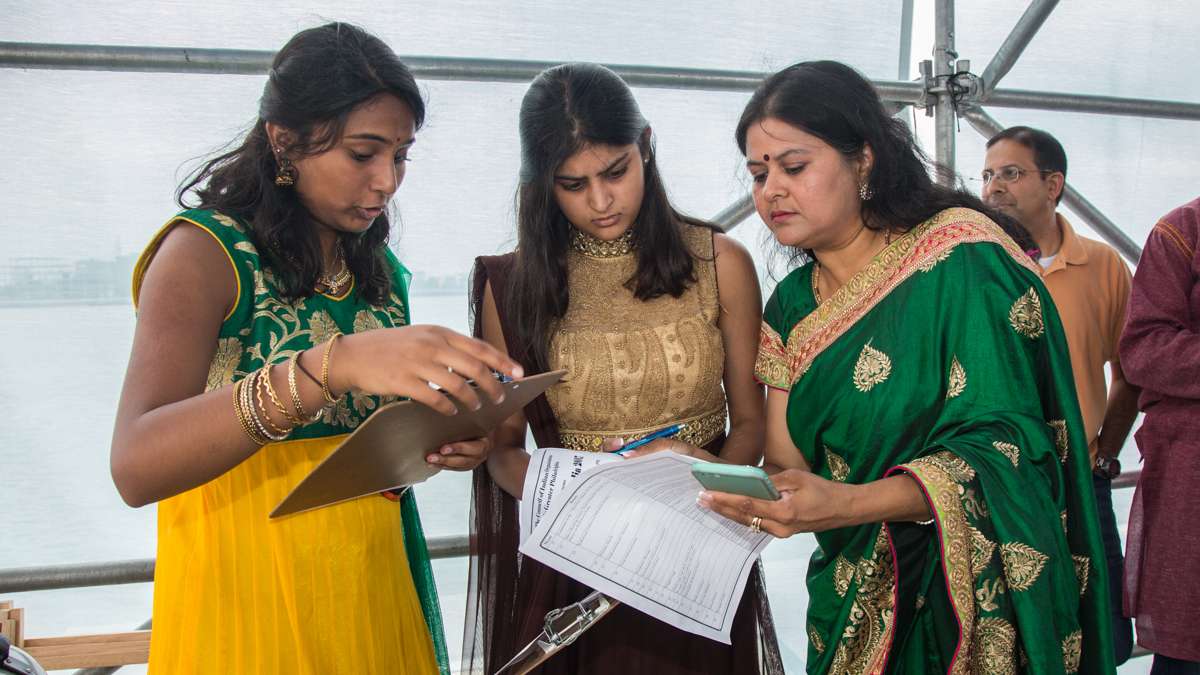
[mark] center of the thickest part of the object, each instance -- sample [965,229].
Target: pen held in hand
[661,433]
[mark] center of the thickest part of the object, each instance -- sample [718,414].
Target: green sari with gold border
[945,359]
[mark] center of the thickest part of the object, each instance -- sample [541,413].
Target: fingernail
[518,372]
[477,406]
[447,450]
[433,459]
[704,499]
[500,399]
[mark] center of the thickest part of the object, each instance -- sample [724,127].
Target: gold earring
[285,176]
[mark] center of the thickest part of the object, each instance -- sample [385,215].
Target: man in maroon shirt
[1160,352]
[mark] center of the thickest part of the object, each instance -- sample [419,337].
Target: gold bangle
[264,382]
[239,410]
[295,421]
[325,369]
[253,391]
[295,391]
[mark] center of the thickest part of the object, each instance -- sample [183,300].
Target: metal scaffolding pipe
[988,127]
[1086,103]
[49,577]
[943,67]
[255,62]
[1008,53]
[731,216]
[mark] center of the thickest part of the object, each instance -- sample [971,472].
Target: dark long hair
[566,108]
[319,77]
[833,102]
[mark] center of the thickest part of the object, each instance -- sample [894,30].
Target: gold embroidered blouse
[636,366]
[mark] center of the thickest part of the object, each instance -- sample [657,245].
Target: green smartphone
[749,481]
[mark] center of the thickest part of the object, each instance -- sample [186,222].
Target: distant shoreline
[112,300]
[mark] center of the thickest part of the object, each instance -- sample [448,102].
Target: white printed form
[633,531]
[550,469]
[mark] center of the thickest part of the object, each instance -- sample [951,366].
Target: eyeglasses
[1009,174]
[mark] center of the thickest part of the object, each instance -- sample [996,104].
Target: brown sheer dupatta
[508,596]
[492,631]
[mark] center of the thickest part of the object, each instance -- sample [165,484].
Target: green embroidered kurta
[261,328]
[945,359]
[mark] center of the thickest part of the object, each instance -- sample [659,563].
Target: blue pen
[661,433]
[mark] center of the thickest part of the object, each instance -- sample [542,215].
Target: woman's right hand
[404,361]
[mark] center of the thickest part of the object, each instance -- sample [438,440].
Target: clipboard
[388,450]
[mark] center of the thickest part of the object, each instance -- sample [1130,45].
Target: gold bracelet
[264,382]
[250,392]
[238,389]
[295,391]
[325,369]
[295,421]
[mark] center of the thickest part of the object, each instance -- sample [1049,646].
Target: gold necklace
[595,247]
[816,273]
[333,282]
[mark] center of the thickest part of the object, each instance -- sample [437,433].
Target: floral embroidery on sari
[957,382]
[1026,315]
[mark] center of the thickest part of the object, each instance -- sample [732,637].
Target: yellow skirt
[326,591]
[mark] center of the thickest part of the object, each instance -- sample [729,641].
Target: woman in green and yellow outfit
[921,419]
[272,320]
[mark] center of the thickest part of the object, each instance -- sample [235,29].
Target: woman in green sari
[922,420]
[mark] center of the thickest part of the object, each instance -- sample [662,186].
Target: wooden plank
[18,616]
[131,636]
[91,651]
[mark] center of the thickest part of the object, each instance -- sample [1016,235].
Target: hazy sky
[91,159]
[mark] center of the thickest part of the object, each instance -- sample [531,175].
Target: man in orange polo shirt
[1024,174]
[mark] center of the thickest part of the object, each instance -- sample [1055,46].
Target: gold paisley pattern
[364,321]
[982,549]
[843,574]
[1072,650]
[995,646]
[661,363]
[1062,441]
[321,326]
[814,639]
[1083,566]
[923,246]
[936,473]
[839,470]
[863,645]
[957,381]
[698,431]
[987,592]
[928,265]
[1012,452]
[1022,564]
[954,466]
[263,328]
[872,368]
[224,363]
[771,366]
[1026,315]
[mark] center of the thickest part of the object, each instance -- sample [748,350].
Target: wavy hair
[566,108]
[319,77]
[833,102]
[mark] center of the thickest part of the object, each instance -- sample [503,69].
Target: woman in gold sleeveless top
[240,383]
[654,316]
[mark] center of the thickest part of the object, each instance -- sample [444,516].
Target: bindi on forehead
[766,157]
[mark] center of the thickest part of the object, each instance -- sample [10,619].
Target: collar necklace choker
[594,247]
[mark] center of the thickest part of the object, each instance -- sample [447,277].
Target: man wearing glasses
[1024,174]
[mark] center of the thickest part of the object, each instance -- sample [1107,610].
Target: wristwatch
[1107,468]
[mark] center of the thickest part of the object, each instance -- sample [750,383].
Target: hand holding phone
[749,481]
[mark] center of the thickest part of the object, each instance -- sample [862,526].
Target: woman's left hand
[461,456]
[807,503]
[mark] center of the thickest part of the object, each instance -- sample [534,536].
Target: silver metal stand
[563,626]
